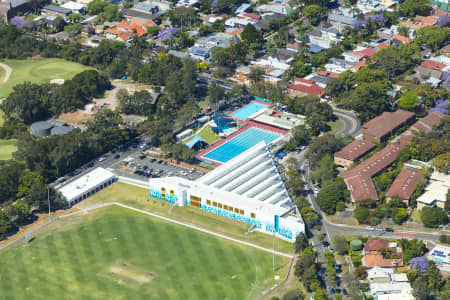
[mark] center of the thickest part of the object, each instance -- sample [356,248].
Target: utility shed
[87,185]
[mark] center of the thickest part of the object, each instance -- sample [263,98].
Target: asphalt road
[352,126]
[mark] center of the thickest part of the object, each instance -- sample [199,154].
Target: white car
[379,229]
[369,228]
[102,159]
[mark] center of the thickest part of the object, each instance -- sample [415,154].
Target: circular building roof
[356,245]
[61,130]
[41,128]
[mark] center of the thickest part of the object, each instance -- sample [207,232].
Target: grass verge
[7,148]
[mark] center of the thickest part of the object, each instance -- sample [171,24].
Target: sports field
[114,253]
[7,147]
[38,71]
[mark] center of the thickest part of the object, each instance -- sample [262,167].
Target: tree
[403,30]
[412,248]
[412,8]
[251,35]
[295,183]
[340,244]
[433,36]
[361,214]
[314,13]
[320,146]
[75,18]
[433,216]
[255,74]
[96,7]
[369,100]
[221,56]
[442,163]
[301,242]
[26,181]
[447,202]
[215,93]
[110,13]
[409,101]
[400,216]
[309,216]
[59,23]
[5,224]
[294,295]
[183,16]
[332,192]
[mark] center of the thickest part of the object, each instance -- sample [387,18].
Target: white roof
[437,189]
[399,277]
[390,288]
[85,183]
[377,272]
[395,297]
[73,5]
[441,253]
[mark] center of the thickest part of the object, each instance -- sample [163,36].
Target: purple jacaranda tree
[440,106]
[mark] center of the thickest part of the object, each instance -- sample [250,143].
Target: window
[252,215]
[195,198]
[230,208]
[236,210]
[214,203]
[241,211]
[163,195]
[208,202]
[172,192]
[219,205]
[225,207]
[195,201]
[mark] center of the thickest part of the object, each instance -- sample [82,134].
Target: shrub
[400,216]
[361,214]
[340,206]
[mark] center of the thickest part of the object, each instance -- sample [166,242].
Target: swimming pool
[241,143]
[248,110]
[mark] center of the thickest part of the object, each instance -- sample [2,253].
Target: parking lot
[142,167]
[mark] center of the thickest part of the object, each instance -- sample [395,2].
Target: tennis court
[241,143]
[248,110]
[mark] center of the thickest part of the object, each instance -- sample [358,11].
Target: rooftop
[355,150]
[437,189]
[430,64]
[387,122]
[405,183]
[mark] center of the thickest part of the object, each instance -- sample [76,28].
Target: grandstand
[247,188]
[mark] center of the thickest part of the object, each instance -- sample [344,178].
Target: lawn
[7,147]
[336,126]
[38,71]
[115,253]
[207,134]
[139,198]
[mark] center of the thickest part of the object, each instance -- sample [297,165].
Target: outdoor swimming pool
[241,143]
[248,110]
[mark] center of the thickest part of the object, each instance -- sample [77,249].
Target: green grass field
[206,133]
[139,198]
[114,253]
[38,71]
[7,147]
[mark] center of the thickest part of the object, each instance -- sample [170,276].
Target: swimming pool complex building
[247,188]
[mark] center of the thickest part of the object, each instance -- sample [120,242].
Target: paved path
[8,71]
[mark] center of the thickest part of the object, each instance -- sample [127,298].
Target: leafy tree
[332,192]
[370,99]
[26,181]
[314,13]
[309,216]
[215,93]
[255,74]
[340,244]
[58,23]
[361,214]
[320,146]
[433,216]
[442,163]
[75,18]
[251,35]
[412,248]
[153,30]
[96,7]
[340,206]
[294,295]
[433,36]
[412,8]
[221,56]
[447,202]
[400,216]
[295,182]
[409,101]
[403,30]
[5,224]
[395,60]
[301,242]
[299,69]
[140,103]
[110,13]
[183,16]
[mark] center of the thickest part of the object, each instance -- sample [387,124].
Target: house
[10,8]
[431,68]
[252,16]
[178,54]
[441,256]
[352,153]
[404,184]
[146,7]
[424,125]
[337,65]
[199,53]
[380,128]
[267,18]
[134,13]
[380,253]
[317,79]
[125,31]
[328,74]
[378,275]
[341,21]
[303,87]
[273,68]
[75,7]
[294,47]
[275,8]
[163,5]
[216,40]
[391,290]
[436,191]
[241,74]
[188,3]
[242,8]
[282,55]
[359,179]
[237,22]
[58,11]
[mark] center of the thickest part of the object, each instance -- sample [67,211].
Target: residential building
[267,18]
[431,68]
[241,74]
[423,125]
[75,7]
[247,188]
[124,31]
[441,256]
[303,87]
[380,253]
[352,153]
[87,185]
[380,128]
[237,22]
[188,3]
[341,21]
[216,40]
[163,5]
[242,8]
[275,8]
[404,184]
[58,11]
[379,275]
[10,8]
[436,191]
[146,7]
[391,290]
[359,179]
[199,53]
[293,47]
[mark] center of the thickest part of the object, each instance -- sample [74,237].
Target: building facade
[247,189]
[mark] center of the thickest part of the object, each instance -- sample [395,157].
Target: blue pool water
[249,110]
[241,143]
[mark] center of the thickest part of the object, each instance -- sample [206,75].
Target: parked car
[388,229]
[379,229]
[102,159]
[369,228]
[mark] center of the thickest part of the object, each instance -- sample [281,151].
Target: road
[352,125]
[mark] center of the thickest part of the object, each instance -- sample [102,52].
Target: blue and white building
[247,188]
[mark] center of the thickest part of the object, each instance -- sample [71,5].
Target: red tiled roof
[386,122]
[302,80]
[131,27]
[365,53]
[446,49]
[355,150]
[361,188]
[401,38]
[312,89]
[252,16]
[430,64]
[328,74]
[383,46]
[427,123]
[405,183]
[375,245]
[377,260]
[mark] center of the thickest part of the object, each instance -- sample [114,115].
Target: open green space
[207,134]
[7,148]
[139,198]
[115,253]
[38,71]
[336,126]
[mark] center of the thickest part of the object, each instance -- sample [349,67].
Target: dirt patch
[124,271]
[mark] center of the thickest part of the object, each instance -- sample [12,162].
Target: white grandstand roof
[85,183]
[251,177]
